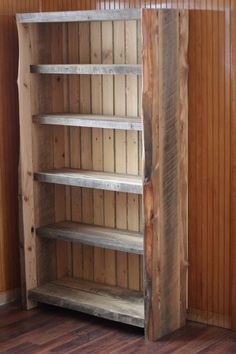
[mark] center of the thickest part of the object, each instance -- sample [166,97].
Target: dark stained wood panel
[233,172]
[49,329]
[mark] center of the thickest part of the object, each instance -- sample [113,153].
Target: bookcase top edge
[79,16]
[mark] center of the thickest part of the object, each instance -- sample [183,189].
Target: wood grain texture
[82,16]
[91,120]
[43,157]
[9,145]
[87,179]
[200,201]
[126,241]
[28,249]
[233,172]
[90,69]
[112,303]
[50,329]
[165,118]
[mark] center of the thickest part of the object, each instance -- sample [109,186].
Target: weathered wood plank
[165,120]
[43,155]
[87,69]
[87,179]
[183,158]
[97,145]
[26,197]
[126,241]
[108,107]
[120,139]
[132,158]
[80,16]
[90,120]
[100,300]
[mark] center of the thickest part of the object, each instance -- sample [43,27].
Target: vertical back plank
[120,147]
[75,143]
[131,52]
[43,154]
[108,147]
[59,95]
[86,145]
[97,144]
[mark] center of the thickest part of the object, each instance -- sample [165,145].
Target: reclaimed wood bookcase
[103,163]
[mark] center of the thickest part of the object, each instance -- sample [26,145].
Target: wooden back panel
[94,149]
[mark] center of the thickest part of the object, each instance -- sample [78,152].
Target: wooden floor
[50,330]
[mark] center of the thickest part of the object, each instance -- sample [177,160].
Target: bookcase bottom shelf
[112,303]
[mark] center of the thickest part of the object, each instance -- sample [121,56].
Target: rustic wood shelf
[80,16]
[108,302]
[120,240]
[90,120]
[91,179]
[132,83]
[87,69]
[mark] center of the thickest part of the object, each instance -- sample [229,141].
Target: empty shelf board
[104,237]
[91,179]
[90,120]
[90,69]
[117,304]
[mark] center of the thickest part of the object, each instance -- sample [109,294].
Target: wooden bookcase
[103,163]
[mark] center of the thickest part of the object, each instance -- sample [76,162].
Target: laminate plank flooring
[48,329]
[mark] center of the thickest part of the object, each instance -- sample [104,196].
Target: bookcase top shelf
[87,69]
[80,16]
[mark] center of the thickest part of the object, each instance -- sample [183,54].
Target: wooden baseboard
[9,296]
[210,318]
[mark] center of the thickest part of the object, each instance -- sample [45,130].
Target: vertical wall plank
[86,145]
[120,146]
[233,170]
[75,140]
[59,94]
[132,148]
[97,144]
[43,153]
[108,146]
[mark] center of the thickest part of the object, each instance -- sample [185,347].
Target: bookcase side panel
[165,170]
[26,187]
